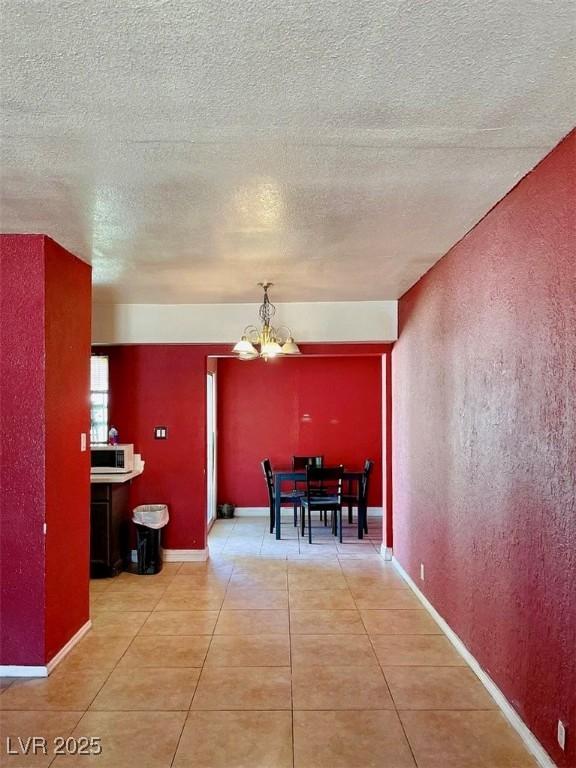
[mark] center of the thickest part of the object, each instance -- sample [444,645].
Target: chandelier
[273,341]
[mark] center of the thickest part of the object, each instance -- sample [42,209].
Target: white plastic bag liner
[151,515]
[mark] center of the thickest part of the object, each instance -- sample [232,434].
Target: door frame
[211,449]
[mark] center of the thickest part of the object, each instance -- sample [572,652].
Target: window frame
[99,427]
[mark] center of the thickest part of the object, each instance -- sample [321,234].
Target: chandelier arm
[253,334]
[281,337]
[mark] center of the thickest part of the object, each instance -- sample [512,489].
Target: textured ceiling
[338,148]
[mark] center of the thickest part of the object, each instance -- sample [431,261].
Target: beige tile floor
[270,655]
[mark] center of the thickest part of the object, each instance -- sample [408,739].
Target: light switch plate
[83,441]
[160,433]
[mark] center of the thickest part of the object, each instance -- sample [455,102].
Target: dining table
[296,476]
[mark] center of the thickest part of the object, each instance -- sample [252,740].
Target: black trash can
[149,520]
[225,511]
[148,549]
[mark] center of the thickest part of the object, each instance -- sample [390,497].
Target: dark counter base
[109,529]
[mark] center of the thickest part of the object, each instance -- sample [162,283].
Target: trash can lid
[151,515]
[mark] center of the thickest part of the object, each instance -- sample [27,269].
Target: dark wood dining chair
[301,462]
[359,497]
[294,498]
[364,484]
[323,494]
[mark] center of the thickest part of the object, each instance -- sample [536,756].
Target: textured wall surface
[189,149]
[22,431]
[164,385]
[44,406]
[305,406]
[68,309]
[485,444]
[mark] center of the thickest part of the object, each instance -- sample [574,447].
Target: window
[99,399]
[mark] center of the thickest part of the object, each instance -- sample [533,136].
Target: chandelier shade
[290,347]
[270,349]
[272,341]
[245,347]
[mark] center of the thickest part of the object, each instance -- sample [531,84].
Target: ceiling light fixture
[273,342]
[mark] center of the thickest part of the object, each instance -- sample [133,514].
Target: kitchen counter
[116,477]
[110,522]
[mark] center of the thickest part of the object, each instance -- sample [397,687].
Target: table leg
[361,513]
[277,507]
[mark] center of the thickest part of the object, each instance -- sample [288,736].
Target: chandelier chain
[267,309]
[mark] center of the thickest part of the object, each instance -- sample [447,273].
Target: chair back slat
[368,464]
[324,482]
[269,477]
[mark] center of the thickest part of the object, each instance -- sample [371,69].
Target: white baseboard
[15,670]
[65,650]
[179,555]
[256,511]
[386,552]
[12,670]
[530,741]
[184,555]
[265,511]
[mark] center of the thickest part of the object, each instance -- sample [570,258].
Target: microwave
[111,459]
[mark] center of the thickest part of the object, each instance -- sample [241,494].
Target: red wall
[22,429]
[303,406]
[165,385]
[68,339]
[484,379]
[44,406]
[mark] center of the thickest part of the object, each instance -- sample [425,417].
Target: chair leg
[295,515]
[309,526]
[303,520]
[365,519]
[339,514]
[350,519]
[272,518]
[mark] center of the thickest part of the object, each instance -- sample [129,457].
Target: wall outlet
[160,433]
[421,571]
[561,734]
[83,441]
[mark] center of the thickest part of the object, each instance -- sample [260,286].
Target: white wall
[345,321]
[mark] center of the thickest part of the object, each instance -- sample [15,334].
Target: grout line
[68,733]
[393,701]
[109,675]
[187,715]
[290,650]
